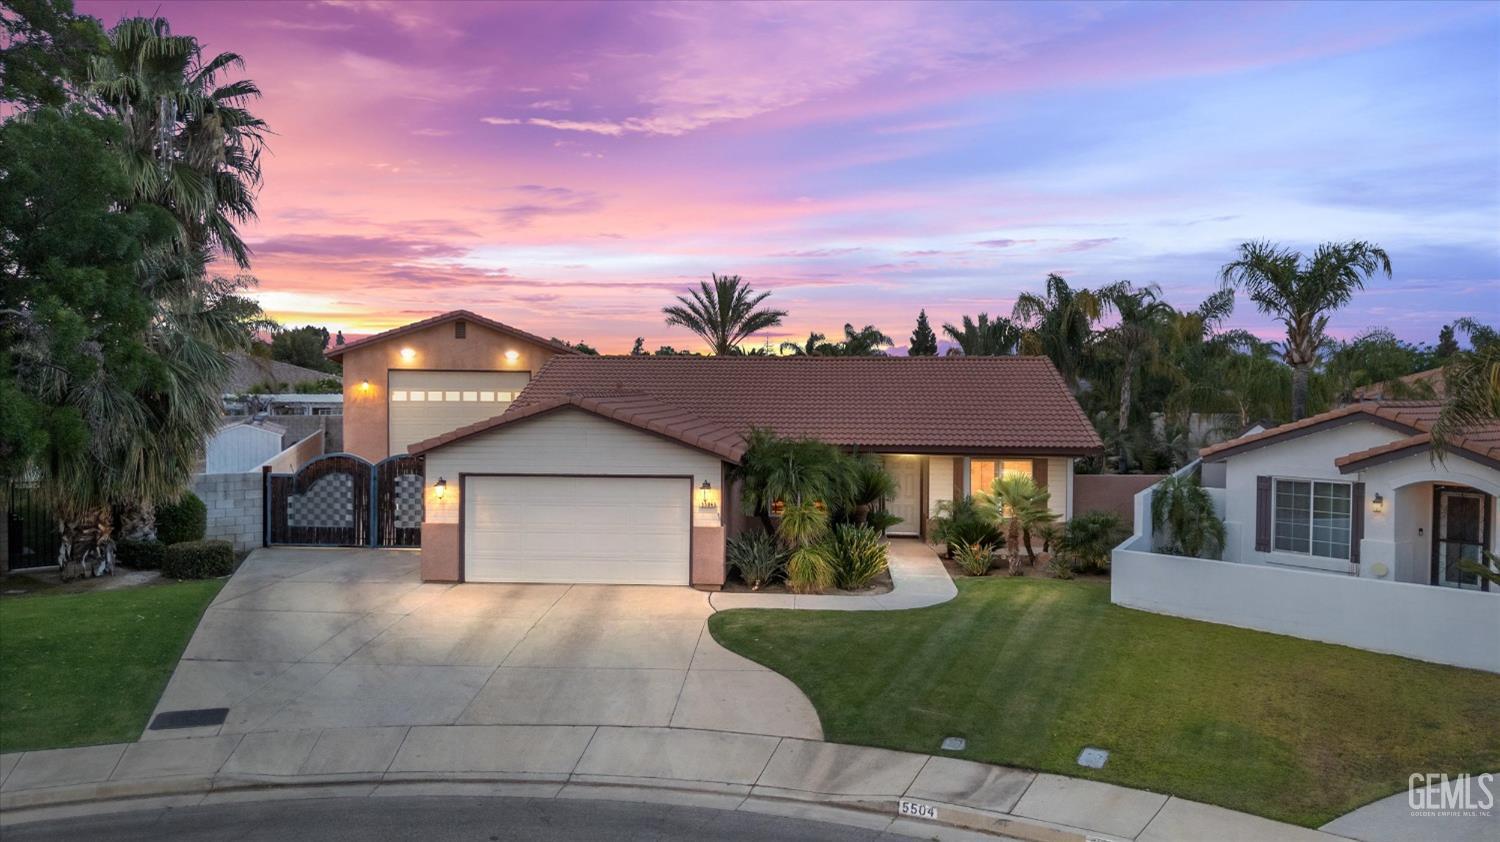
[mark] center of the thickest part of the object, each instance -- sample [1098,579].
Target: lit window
[471,397]
[398,395]
[487,397]
[982,472]
[1312,518]
[434,395]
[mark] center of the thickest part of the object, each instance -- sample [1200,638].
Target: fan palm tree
[723,313]
[1058,324]
[1182,515]
[1302,294]
[865,342]
[1016,504]
[815,346]
[984,338]
[1143,315]
[191,145]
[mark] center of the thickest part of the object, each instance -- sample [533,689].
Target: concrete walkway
[800,778]
[917,576]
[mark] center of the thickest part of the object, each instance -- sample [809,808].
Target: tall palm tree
[1302,294]
[865,342]
[984,338]
[1058,324]
[816,345]
[1143,315]
[723,313]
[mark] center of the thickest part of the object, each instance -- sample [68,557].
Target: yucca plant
[856,555]
[756,557]
[975,559]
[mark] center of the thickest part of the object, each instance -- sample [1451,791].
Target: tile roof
[338,351]
[918,404]
[633,409]
[1423,384]
[1415,418]
[250,370]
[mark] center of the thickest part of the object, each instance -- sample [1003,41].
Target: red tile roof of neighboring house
[969,405]
[641,411]
[1422,384]
[338,351]
[1414,418]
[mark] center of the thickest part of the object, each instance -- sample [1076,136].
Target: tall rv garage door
[424,404]
[614,530]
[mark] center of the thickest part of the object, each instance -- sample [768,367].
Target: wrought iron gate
[341,500]
[31,534]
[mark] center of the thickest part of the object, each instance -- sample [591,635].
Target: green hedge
[198,560]
[142,555]
[184,520]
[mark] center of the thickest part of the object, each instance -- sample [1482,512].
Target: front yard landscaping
[1030,671]
[82,669]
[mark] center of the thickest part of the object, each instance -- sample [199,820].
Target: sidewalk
[918,580]
[780,775]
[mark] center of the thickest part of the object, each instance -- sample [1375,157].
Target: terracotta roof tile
[338,351]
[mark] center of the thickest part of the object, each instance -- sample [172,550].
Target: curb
[874,813]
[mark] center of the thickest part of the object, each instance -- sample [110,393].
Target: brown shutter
[1357,521]
[1262,514]
[1039,472]
[958,478]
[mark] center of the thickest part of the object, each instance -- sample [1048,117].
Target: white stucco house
[1342,527]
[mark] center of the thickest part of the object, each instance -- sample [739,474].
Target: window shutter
[1356,520]
[1039,472]
[1262,514]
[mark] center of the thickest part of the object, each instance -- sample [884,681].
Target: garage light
[512,356]
[706,496]
[364,386]
[1378,504]
[408,354]
[440,488]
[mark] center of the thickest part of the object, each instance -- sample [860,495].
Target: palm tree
[814,346]
[1016,504]
[723,313]
[1182,515]
[1471,397]
[1059,324]
[865,342]
[191,145]
[1303,293]
[1142,316]
[984,338]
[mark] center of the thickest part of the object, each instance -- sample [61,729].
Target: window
[418,395]
[323,410]
[460,329]
[471,397]
[453,397]
[433,395]
[398,394]
[982,472]
[1312,518]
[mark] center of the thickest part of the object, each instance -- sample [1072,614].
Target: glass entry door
[1458,536]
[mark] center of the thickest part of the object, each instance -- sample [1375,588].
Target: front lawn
[81,669]
[1030,671]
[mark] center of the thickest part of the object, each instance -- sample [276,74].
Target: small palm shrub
[1088,539]
[184,520]
[198,560]
[808,570]
[855,554]
[1060,567]
[960,522]
[142,555]
[1183,518]
[880,521]
[975,559]
[801,532]
[756,557]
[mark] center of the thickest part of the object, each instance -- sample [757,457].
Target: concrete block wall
[236,507]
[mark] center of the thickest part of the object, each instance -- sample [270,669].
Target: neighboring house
[242,445]
[283,404]
[615,469]
[426,378]
[250,373]
[1423,385]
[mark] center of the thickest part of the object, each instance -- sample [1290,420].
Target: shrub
[184,520]
[1060,567]
[198,560]
[975,559]
[756,557]
[807,570]
[1182,514]
[880,521]
[142,555]
[960,522]
[1087,540]
[856,555]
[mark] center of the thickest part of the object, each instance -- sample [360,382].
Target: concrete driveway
[330,638]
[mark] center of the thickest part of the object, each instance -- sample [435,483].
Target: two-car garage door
[617,530]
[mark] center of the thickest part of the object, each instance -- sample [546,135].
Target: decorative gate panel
[326,503]
[398,502]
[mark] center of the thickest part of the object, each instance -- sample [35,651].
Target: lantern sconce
[706,496]
[440,488]
[364,385]
[1378,504]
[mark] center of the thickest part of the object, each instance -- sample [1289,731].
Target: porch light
[512,356]
[706,496]
[1378,504]
[364,385]
[408,354]
[440,488]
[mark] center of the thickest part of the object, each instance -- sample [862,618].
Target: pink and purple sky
[569,167]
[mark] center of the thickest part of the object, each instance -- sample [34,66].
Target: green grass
[82,669]
[1030,671]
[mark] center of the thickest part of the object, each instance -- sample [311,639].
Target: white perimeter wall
[1444,625]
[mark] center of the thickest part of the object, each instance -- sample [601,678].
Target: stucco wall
[366,427]
[236,508]
[1110,492]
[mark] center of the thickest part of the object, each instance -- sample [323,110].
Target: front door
[1460,533]
[907,504]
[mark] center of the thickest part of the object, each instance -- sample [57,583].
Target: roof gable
[338,351]
[1414,419]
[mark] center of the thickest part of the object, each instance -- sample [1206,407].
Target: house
[615,469]
[242,445]
[1356,491]
[284,404]
[1424,385]
[426,378]
[1342,527]
[253,373]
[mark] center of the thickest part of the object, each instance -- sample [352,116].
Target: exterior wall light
[1378,504]
[408,354]
[512,356]
[440,488]
[364,386]
[706,497]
